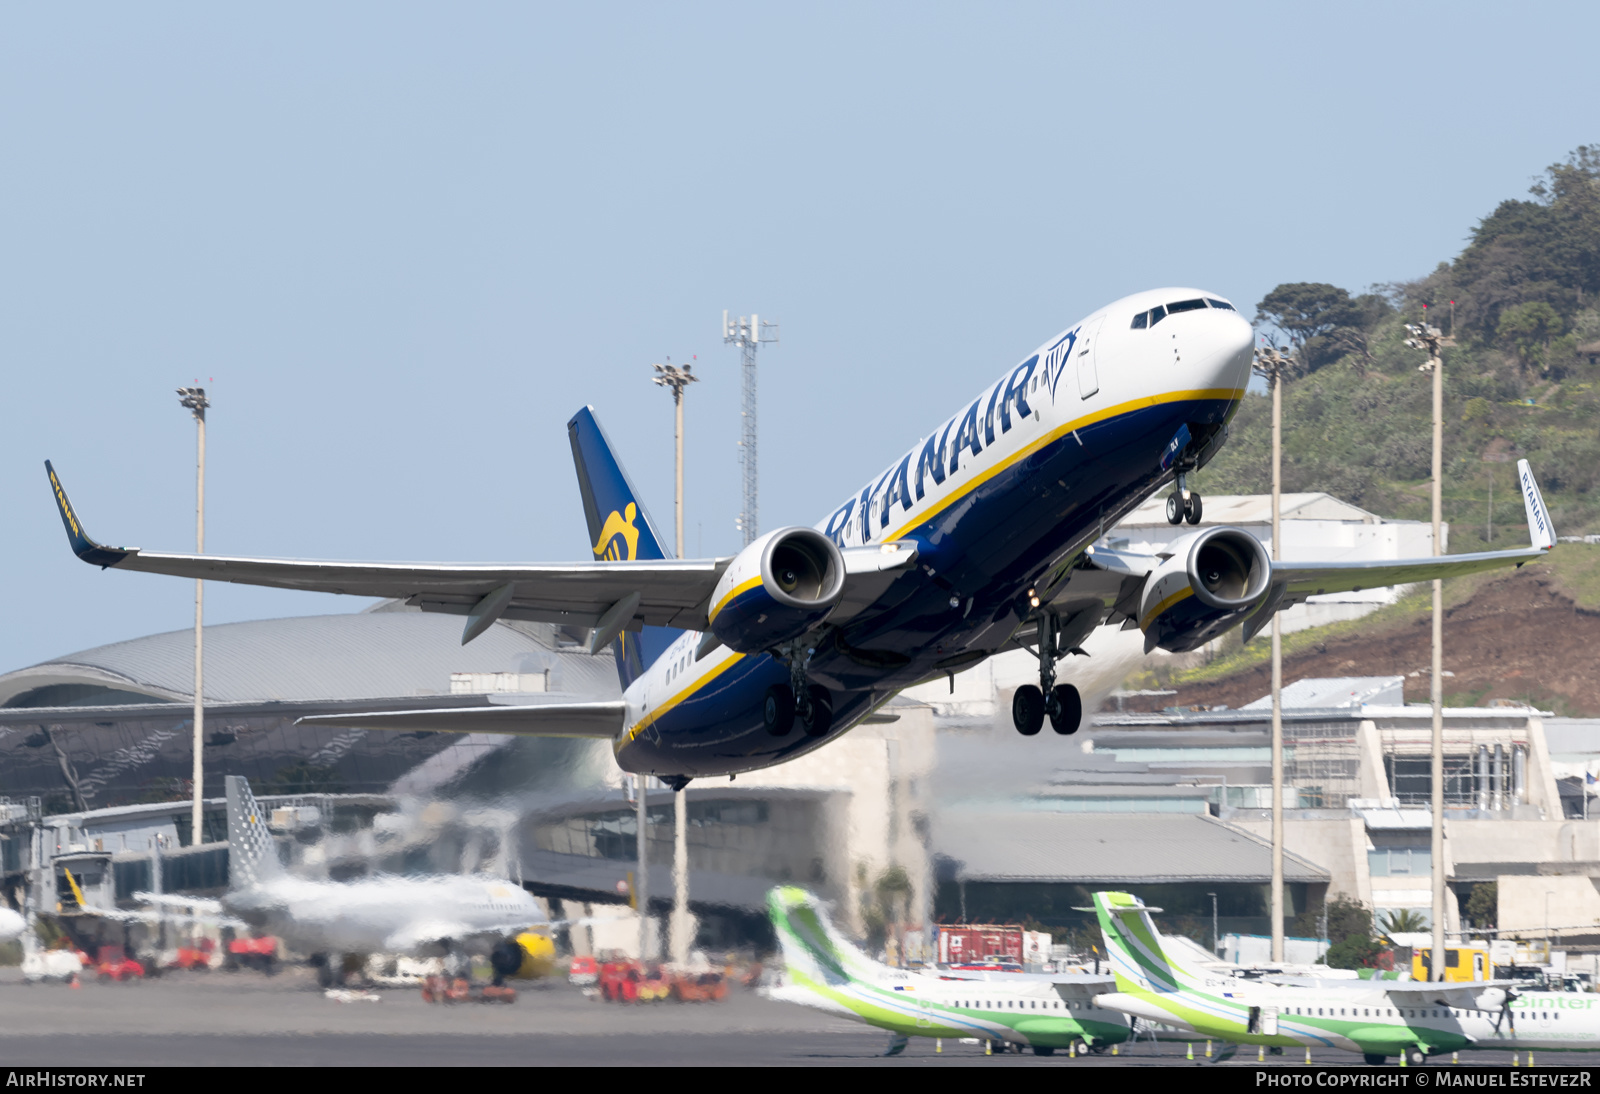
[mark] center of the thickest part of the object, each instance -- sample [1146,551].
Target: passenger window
[1186,305]
[1141,321]
[1157,314]
[1223,304]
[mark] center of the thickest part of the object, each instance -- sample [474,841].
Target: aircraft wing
[1293,582]
[1108,584]
[607,597]
[598,719]
[626,594]
[1489,995]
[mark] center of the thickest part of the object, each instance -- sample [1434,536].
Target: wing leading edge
[671,592]
[607,596]
[1116,577]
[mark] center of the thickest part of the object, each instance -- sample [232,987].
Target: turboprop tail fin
[813,949]
[1134,945]
[252,852]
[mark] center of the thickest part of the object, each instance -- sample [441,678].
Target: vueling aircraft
[827,972]
[447,915]
[1379,1019]
[978,539]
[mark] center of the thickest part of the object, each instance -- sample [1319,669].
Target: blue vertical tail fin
[619,529]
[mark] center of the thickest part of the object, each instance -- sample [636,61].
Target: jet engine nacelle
[779,587]
[1212,581]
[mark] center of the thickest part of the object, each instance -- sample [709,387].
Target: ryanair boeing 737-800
[978,539]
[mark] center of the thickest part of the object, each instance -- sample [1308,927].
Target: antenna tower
[748,334]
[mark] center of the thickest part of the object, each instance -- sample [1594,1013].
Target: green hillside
[1521,382]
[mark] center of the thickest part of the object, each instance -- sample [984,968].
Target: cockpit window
[1141,321]
[1223,304]
[1186,305]
[1157,314]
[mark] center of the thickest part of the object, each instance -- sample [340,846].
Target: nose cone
[1221,350]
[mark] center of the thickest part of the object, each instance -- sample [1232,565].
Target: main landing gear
[809,703]
[1183,504]
[1060,701]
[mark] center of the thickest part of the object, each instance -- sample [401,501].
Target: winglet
[1541,530]
[82,546]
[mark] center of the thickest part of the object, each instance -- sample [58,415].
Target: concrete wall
[1336,844]
[1520,841]
[1573,902]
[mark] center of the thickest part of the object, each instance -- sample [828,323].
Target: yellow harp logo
[619,539]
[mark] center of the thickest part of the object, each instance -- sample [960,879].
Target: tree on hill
[1546,249]
[1527,331]
[1323,322]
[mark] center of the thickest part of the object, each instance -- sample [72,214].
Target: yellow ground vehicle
[1460,963]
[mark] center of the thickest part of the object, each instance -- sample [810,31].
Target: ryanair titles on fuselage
[952,448]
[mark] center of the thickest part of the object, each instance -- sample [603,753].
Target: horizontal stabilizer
[599,719]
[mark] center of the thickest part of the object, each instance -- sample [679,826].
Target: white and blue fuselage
[1015,484]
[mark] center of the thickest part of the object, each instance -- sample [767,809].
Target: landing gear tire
[1174,509]
[819,718]
[1065,709]
[1084,1047]
[1027,710]
[506,960]
[777,711]
[1376,1059]
[1416,1057]
[1192,510]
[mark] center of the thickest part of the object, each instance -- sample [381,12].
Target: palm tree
[1403,921]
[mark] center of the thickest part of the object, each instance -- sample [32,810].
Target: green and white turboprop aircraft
[827,972]
[1377,1018]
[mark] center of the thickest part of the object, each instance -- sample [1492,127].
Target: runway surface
[248,1019]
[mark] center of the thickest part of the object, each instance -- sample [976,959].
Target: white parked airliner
[447,915]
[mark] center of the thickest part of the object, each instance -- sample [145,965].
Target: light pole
[1216,941]
[1433,340]
[193,399]
[678,931]
[1271,364]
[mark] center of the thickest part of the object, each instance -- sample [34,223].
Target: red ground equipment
[981,944]
[253,953]
[619,981]
[702,987]
[114,964]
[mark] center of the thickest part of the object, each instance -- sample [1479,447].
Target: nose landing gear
[1183,504]
[1061,702]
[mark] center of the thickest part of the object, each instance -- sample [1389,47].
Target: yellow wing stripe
[694,686]
[1232,394]
[742,587]
[1186,591]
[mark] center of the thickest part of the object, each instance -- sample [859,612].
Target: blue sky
[401,244]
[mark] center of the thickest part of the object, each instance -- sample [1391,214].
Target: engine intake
[1212,581]
[777,588]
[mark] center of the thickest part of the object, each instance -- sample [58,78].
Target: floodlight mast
[748,334]
[193,399]
[1433,341]
[1272,365]
[679,929]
